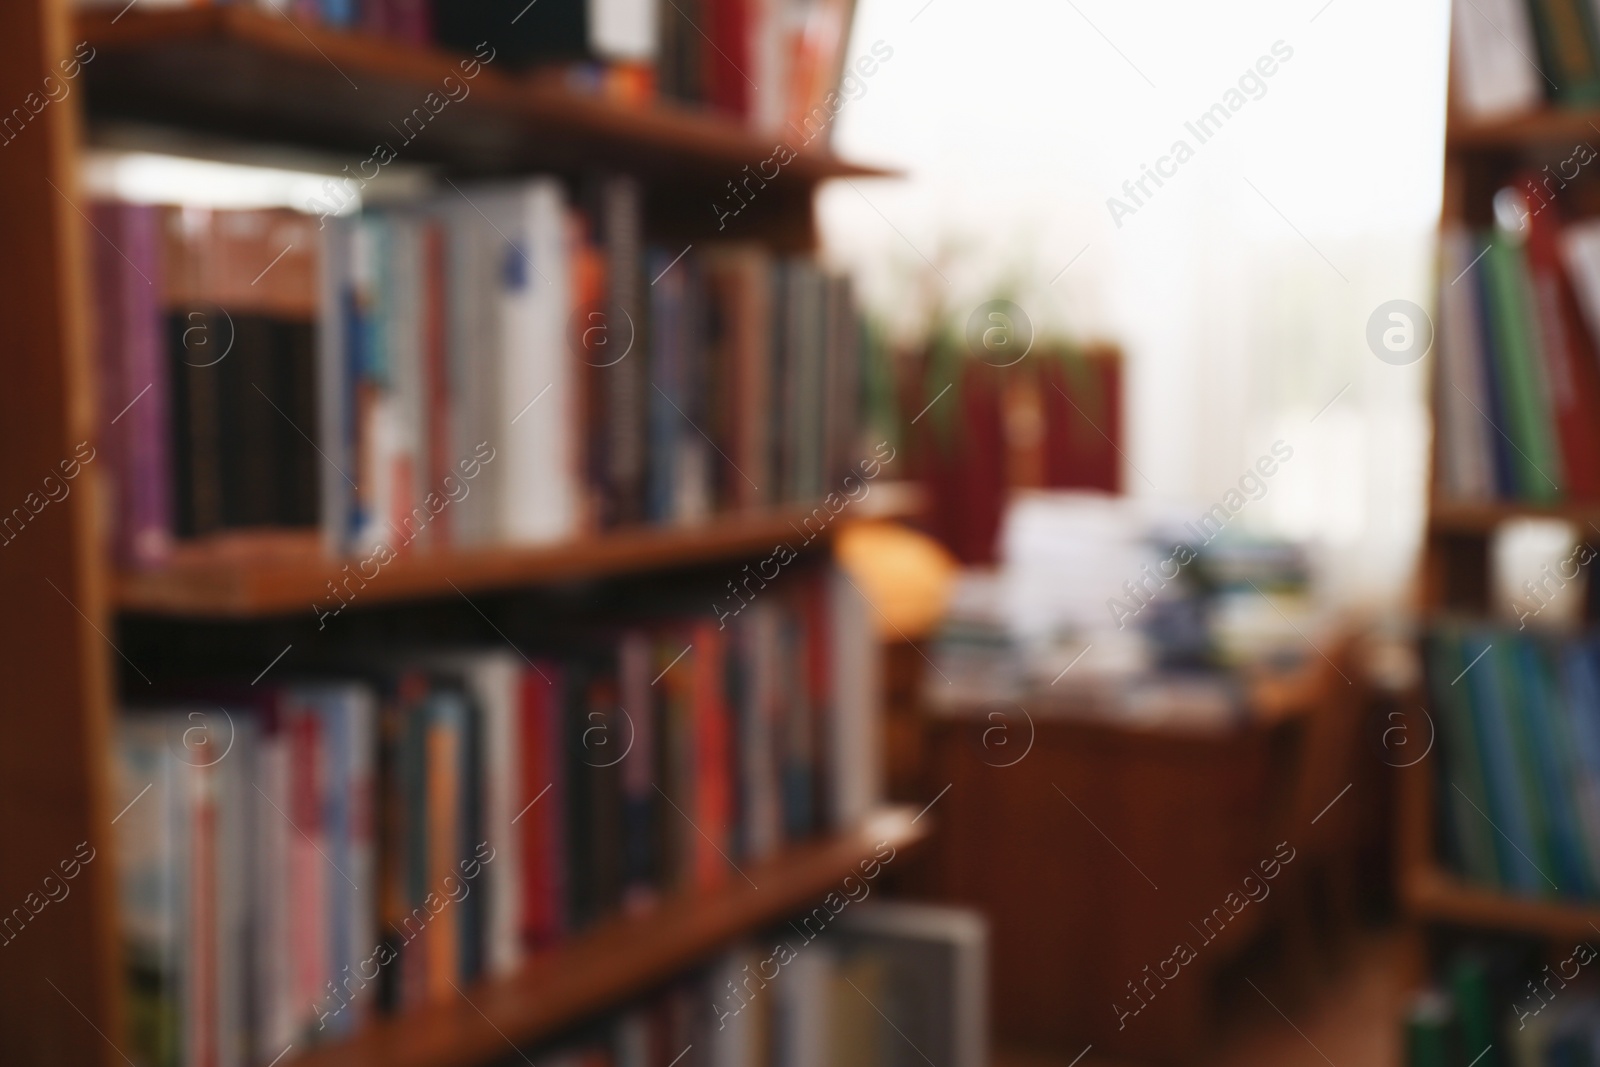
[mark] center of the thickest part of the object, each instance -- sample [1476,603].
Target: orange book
[444,845]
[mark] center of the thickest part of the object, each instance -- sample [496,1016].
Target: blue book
[1551,781]
[338,13]
[1508,814]
[667,419]
[1580,673]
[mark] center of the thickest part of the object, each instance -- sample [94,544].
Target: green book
[1567,49]
[1428,1031]
[1519,373]
[1469,988]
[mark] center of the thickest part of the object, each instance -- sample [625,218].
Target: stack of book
[1508,56]
[1518,722]
[773,64]
[880,985]
[1519,311]
[296,857]
[502,364]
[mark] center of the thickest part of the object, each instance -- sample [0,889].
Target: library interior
[800,533]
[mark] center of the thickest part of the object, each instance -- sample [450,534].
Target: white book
[347,714]
[937,961]
[407,299]
[623,29]
[477,254]
[733,1035]
[1493,56]
[1580,253]
[494,681]
[1462,443]
[801,1001]
[855,732]
[769,55]
[536,389]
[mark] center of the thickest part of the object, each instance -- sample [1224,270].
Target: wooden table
[1106,845]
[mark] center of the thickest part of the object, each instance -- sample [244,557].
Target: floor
[1353,1021]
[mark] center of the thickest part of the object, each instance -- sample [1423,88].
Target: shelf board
[244,582]
[1547,126]
[244,73]
[1434,895]
[620,958]
[1456,516]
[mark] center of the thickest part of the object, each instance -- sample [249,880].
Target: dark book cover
[520,33]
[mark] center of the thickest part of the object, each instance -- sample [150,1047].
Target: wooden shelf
[243,73]
[1437,896]
[1450,516]
[1548,126]
[618,959]
[251,584]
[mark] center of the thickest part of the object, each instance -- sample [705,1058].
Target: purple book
[134,380]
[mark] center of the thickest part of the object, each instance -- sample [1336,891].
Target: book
[1518,714]
[1565,32]
[1491,43]
[1519,370]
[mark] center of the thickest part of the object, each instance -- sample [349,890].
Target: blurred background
[783,533]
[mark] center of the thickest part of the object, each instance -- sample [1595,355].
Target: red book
[541,808]
[728,58]
[1568,350]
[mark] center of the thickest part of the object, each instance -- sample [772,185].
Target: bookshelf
[285,575]
[1480,158]
[268,79]
[257,80]
[621,957]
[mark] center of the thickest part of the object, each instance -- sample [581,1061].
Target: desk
[1106,845]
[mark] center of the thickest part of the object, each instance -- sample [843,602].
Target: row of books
[1519,380]
[206,365]
[300,856]
[1518,722]
[769,63]
[1509,56]
[886,985]
[502,364]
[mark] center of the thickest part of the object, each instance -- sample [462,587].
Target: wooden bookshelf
[620,958]
[1480,157]
[1482,517]
[1550,127]
[246,582]
[243,73]
[239,74]
[1444,898]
